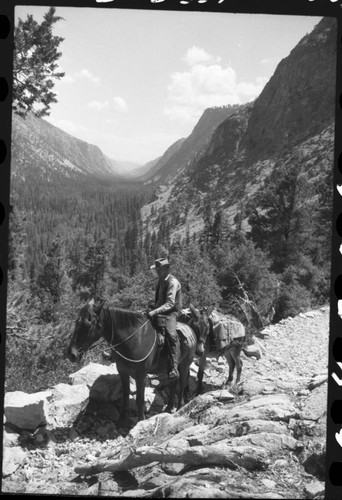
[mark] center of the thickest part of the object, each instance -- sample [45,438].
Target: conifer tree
[35,65]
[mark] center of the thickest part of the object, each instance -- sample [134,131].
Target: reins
[125,340]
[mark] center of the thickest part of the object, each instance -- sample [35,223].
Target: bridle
[113,346]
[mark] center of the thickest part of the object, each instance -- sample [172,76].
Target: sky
[137,81]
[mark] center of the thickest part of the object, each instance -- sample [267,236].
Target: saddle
[185,333]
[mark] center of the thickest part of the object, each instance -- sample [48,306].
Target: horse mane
[124,318]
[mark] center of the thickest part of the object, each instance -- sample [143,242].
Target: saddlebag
[221,337]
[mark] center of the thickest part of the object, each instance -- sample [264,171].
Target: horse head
[88,329]
[200,324]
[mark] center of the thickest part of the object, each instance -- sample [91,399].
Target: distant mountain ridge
[62,151]
[186,151]
[124,168]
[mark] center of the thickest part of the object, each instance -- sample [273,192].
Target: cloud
[196,55]
[206,84]
[117,103]
[85,73]
[120,104]
[97,105]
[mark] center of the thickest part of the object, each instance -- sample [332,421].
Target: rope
[139,360]
[125,340]
[132,335]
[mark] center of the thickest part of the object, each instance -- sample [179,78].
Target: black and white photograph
[169,253]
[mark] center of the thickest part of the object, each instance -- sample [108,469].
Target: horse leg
[183,380]
[124,377]
[231,365]
[238,363]
[170,405]
[186,391]
[140,384]
[200,373]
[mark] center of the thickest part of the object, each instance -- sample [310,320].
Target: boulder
[153,400]
[26,411]
[66,403]
[314,489]
[315,464]
[89,373]
[252,387]
[13,457]
[106,389]
[10,438]
[315,405]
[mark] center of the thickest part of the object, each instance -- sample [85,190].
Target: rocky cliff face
[157,169]
[298,101]
[292,121]
[186,152]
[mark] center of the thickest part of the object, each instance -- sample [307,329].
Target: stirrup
[107,355]
[173,374]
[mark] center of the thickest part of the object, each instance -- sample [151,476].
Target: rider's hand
[150,314]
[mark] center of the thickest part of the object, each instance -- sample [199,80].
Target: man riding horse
[168,301]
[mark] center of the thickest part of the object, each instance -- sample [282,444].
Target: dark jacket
[168,297]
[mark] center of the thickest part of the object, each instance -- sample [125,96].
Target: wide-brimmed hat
[158,263]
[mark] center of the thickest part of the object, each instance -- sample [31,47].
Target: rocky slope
[297,102]
[186,152]
[47,149]
[290,122]
[262,439]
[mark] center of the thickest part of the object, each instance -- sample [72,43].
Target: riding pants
[172,339]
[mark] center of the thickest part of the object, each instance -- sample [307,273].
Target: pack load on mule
[225,329]
[225,337]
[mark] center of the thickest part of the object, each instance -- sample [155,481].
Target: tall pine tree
[35,65]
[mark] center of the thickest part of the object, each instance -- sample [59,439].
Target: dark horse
[135,343]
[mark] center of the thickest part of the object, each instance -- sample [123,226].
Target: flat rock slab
[26,411]
[272,442]
[316,403]
[89,373]
[13,457]
[276,407]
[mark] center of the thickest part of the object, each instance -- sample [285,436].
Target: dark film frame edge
[299,7]
[6,55]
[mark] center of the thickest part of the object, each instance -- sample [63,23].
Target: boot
[174,352]
[173,374]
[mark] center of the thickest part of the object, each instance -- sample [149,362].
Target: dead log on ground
[248,457]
